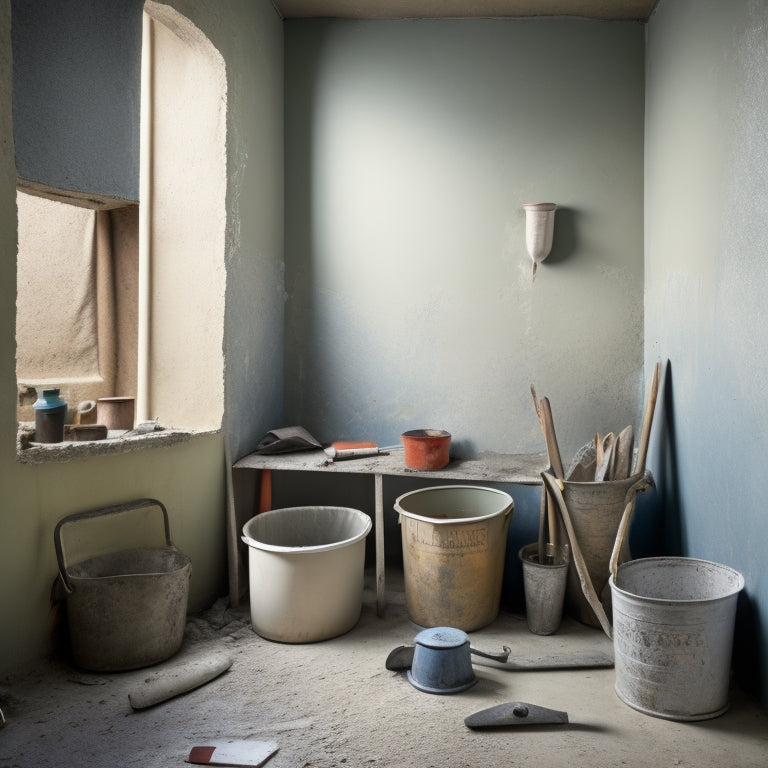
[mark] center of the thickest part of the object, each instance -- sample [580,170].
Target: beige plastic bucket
[306,569]
[454,544]
[673,621]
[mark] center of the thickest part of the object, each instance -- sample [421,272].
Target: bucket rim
[509,506]
[184,562]
[740,582]
[262,545]
[629,481]
[526,549]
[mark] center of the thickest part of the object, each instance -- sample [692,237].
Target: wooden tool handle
[645,434]
[548,425]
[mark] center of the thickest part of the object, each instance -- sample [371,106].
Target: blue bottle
[50,412]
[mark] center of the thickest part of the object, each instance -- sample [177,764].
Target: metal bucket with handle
[125,609]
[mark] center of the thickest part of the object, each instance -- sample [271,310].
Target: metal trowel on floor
[401,658]
[515,713]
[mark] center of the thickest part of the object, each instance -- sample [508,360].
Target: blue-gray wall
[76,94]
[706,239]
[410,148]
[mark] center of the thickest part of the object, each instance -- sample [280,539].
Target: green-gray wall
[410,148]
[189,478]
[706,239]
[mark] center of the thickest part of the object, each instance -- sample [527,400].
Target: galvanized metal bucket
[673,622]
[125,609]
[544,587]
[596,518]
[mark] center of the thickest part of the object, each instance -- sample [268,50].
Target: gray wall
[410,148]
[76,93]
[706,238]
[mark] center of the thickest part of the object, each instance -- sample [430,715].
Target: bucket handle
[553,487]
[103,512]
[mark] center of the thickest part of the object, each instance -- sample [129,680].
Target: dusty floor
[334,704]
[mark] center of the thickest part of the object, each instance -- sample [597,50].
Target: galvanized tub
[673,621]
[126,609]
[454,540]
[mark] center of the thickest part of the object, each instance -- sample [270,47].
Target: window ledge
[117,442]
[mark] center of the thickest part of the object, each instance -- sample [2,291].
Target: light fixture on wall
[539,224]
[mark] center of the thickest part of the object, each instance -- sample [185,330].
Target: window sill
[117,442]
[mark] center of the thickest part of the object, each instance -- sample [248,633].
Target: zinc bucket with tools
[125,609]
[596,518]
[673,623]
[454,540]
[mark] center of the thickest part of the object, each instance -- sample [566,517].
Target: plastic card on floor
[239,754]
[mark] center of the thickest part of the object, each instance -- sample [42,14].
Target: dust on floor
[333,703]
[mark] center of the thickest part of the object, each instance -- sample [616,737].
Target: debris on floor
[179,677]
[238,754]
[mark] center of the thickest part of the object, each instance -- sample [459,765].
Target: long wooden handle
[645,435]
[548,425]
[630,498]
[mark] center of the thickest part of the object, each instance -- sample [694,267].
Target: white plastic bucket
[673,620]
[306,568]
[454,541]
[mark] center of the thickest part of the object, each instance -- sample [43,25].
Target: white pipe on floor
[145,225]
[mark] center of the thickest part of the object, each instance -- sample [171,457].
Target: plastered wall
[77,80]
[410,148]
[189,477]
[705,242]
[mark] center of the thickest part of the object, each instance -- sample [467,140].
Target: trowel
[342,450]
[515,713]
[401,658]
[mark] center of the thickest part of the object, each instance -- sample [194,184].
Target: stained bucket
[673,622]
[454,541]
[306,570]
[125,609]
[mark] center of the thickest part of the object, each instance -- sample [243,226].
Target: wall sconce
[539,224]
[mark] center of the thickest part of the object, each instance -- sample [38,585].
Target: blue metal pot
[441,661]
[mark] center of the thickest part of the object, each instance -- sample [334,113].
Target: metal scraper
[515,713]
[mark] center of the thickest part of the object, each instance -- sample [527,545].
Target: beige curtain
[66,305]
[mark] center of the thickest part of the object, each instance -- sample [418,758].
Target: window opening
[78,284]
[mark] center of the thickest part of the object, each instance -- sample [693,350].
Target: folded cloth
[287,439]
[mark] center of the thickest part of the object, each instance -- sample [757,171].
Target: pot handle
[500,657]
[103,512]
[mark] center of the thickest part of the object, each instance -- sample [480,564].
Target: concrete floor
[334,704]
